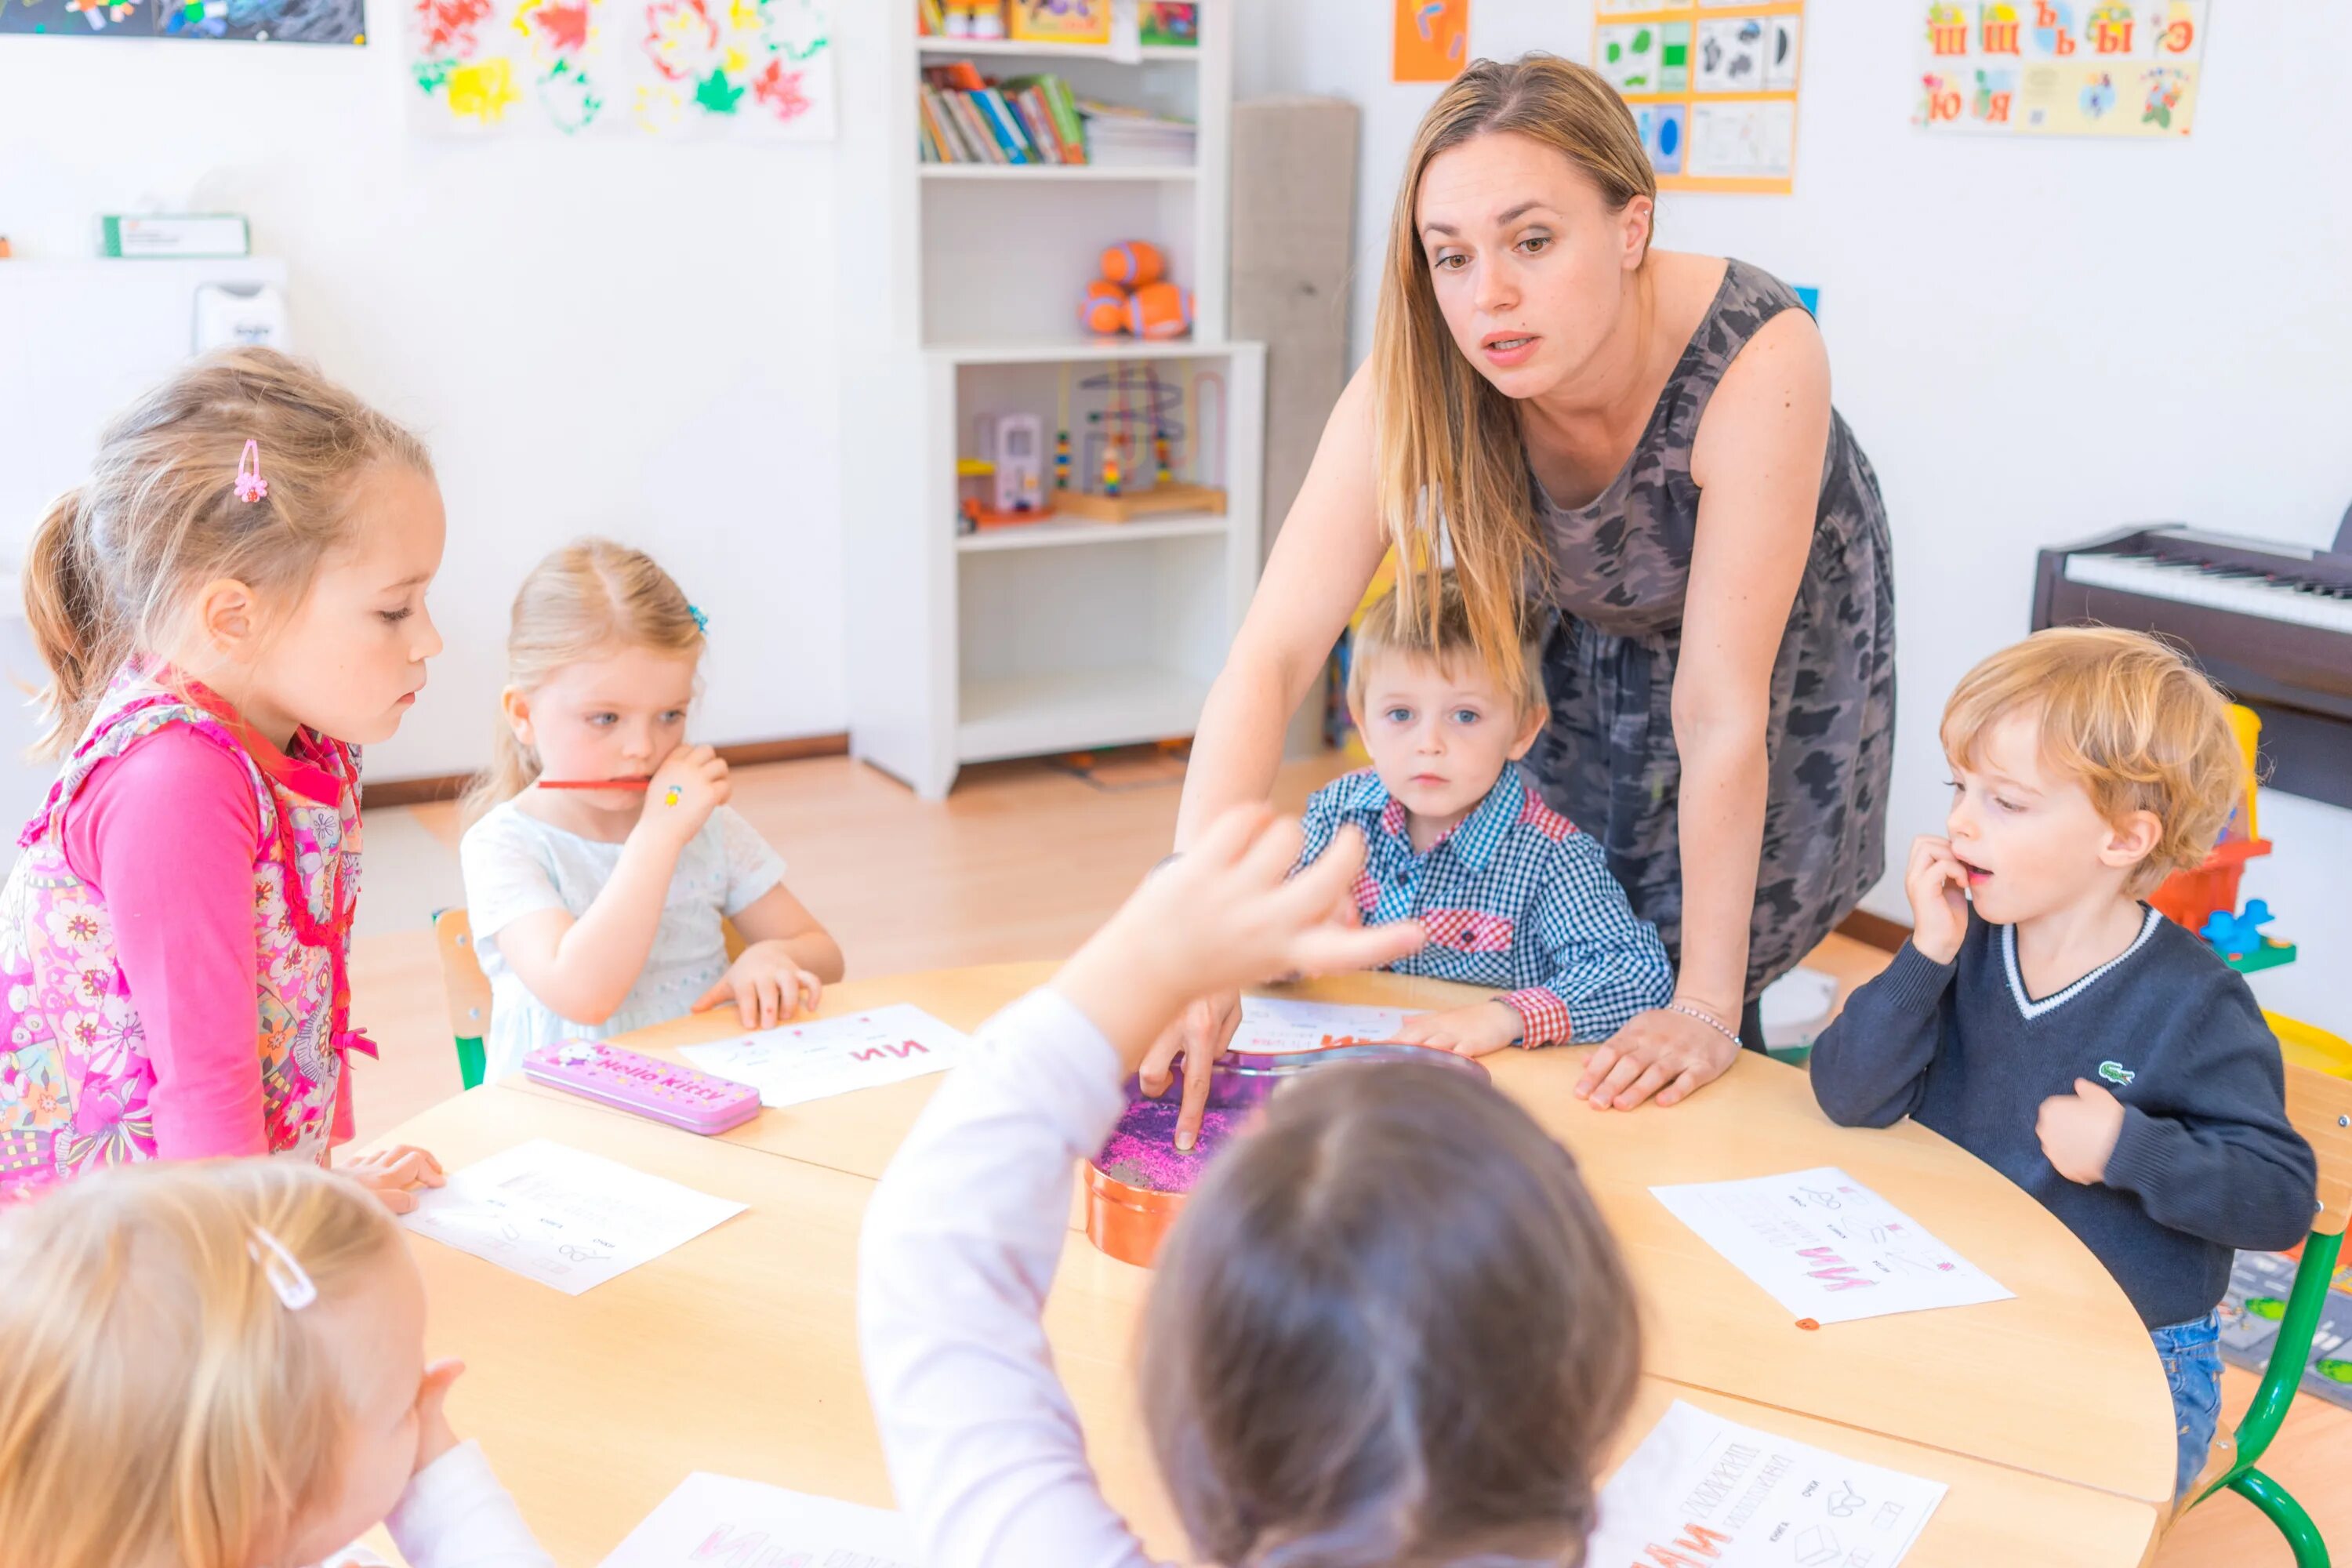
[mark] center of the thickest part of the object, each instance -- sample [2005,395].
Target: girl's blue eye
[673,716]
[603,719]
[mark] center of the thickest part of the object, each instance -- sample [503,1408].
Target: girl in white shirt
[223,1366]
[1388,1328]
[599,910]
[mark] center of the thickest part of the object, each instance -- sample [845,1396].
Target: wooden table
[2047,1416]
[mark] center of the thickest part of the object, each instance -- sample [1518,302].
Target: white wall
[617,337]
[2034,341]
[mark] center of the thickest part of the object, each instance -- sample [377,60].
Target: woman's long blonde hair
[111,568]
[1450,450]
[158,1401]
[589,598]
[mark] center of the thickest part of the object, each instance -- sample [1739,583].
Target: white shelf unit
[1066,633]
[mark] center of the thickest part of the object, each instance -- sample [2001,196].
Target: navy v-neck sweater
[2207,1161]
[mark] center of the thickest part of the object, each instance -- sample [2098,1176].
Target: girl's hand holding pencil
[682,792]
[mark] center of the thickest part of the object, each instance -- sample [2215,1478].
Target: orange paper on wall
[1432,39]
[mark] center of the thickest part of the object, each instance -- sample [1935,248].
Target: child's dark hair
[1389,1329]
[110,570]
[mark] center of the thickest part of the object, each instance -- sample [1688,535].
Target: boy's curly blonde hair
[2136,725]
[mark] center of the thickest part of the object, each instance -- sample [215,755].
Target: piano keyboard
[2239,593]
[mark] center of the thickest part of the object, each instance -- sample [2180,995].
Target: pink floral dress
[74,1077]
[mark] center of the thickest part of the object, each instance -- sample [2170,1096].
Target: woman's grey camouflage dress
[1620,567]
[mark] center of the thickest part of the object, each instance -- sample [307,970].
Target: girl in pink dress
[229,608]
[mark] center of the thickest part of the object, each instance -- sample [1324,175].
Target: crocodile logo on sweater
[2116,1073]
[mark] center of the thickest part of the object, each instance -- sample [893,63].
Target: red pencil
[594,783]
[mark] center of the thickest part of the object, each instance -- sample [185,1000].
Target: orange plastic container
[1127,1220]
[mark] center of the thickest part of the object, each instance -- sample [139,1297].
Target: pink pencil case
[631,1080]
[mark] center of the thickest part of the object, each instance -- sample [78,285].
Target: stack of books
[1130,137]
[966,119]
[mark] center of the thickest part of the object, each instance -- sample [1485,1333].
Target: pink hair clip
[250,485]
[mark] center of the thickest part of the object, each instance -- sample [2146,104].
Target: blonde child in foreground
[229,607]
[600,911]
[1389,1327]
[223,1366]
[2048,1021]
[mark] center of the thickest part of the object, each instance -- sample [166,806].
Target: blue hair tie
[701,621]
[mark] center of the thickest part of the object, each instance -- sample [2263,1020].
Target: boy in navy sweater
[2089,1049]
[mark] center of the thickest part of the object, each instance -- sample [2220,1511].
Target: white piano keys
[2182,584]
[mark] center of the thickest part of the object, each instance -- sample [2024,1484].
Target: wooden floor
[1023,861]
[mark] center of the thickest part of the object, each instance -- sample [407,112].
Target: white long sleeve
[961,1244]
[455,1514]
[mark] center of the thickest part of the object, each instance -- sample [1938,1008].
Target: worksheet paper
[563,1216]
[1827,1247]
[1703,1489]
[716,1521]
[1275,1024]
[802,1062]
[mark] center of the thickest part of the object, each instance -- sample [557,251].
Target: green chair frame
[2321,1107]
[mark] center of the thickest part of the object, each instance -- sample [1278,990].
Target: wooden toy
[1103,309]
[1134,263]
[1160,310]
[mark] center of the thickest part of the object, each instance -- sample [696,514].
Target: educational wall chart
[1704,1490]
[1279,1024]
[717,1521]
[802,1062]
[563,1216]
[2061,67]
[1827,1247]
[234,21]
[753,69]
[1712,85]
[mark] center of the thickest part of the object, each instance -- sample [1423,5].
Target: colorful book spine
[1007,129]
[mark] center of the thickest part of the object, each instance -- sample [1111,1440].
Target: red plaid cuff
[1543,1016]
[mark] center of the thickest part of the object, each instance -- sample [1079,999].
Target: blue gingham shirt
[1512,897]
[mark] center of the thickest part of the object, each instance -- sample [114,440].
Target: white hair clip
[285,1276]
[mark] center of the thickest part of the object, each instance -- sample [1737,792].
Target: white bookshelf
[1066,634]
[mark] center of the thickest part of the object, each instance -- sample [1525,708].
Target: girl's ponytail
[64,604]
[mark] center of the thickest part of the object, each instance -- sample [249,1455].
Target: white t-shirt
[516,865]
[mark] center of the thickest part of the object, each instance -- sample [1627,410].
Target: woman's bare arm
[1329,547]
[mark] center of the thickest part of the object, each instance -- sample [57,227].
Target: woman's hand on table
[1475,1031]
[1658,1053]
[768,987]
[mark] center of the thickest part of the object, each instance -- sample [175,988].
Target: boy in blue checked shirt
[1511,894]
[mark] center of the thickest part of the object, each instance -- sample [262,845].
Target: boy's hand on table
[2078,1132]
[1475,1031]
[1937,886]
[1228,914]
[767,984]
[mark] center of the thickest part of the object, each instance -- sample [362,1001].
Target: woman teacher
[1633,456]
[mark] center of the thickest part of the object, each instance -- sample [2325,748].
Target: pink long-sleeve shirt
[168,833]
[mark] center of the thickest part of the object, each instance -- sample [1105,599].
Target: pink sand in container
[1142,1150]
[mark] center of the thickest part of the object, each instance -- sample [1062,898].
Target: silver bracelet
[1709,1019]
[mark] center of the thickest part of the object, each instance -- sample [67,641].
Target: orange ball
[1160,310]
[1135,263]
[1103,309]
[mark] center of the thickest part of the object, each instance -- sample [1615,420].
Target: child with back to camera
[229,608]
[1388,1328]
[223,1366]
[597,910]
[2050,1021]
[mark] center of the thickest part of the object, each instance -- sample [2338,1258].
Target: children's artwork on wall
[1433,40]
[234,21]
[1712,85]
[753,69]
[2059,68]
